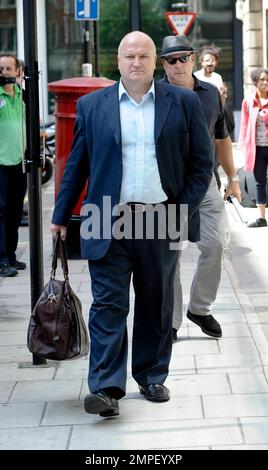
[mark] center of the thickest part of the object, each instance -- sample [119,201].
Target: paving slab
[175,434]
[45,391]
[15,373]
[14,354]
[239,405]
[201,345]
[75,369]
[241,447]
[255,430]
[237,346]
[18,415]
[135,409]
[6,389]
[13,337]
[198,384]
[252,382]
[223,363]
[35,438]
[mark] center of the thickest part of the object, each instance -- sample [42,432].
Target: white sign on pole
[87,10]
[180,22]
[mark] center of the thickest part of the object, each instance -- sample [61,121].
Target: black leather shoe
[207,323]
[19,265]
[258,223]
[155,392]
[7,271]
[102,404]
[174,335]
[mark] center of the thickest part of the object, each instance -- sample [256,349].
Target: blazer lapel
[162,105]
[111,108]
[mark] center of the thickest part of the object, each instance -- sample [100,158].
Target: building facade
[254,17]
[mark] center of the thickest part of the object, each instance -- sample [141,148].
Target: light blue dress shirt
[141,179]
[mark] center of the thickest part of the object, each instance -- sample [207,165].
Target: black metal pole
[33,161]
[237,61]
[86,43]
[96,48]
[134,15]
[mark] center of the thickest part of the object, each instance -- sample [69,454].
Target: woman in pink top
[254,139]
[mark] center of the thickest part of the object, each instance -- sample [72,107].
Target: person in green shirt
[12,179]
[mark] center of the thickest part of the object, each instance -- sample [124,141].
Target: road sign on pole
[180,22]
[87,10]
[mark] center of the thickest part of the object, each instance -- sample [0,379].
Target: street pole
[134,15]
[96,48]
[86,43]
[33,160]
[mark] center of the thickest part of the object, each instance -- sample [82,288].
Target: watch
[232,179]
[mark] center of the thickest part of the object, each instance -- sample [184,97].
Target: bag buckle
[52,298]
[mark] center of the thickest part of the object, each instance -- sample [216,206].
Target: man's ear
[193,58]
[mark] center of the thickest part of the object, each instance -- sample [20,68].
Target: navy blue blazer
[183,150]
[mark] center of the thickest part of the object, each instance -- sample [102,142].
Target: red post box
[66,94]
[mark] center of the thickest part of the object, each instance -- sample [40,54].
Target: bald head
[136,62]
[134,38]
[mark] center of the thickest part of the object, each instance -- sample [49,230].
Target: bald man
[144,146]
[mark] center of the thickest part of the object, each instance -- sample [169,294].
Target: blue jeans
[260,174]
[12,192]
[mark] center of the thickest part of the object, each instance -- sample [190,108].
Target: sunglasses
[174,60]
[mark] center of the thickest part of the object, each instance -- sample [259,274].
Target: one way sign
[87,10]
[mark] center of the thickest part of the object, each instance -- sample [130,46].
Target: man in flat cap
[178,59]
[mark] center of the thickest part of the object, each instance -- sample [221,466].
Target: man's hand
[58,228]
[233,189]
[224,154]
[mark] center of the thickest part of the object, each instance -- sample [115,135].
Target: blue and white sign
[87,10]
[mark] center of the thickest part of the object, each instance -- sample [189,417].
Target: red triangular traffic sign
[180,22]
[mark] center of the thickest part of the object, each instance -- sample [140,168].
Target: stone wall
[251,12]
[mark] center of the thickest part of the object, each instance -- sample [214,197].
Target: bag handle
[59,249]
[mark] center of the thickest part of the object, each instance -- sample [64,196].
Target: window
[219,4]
[8,39]
[53,33]
[7,4]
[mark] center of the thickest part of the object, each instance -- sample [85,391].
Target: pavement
[219,388]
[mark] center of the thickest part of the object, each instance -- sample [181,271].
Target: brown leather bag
[57,329]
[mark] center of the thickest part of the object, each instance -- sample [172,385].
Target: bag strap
[59,250]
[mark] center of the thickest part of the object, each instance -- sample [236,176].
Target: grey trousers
[214,238]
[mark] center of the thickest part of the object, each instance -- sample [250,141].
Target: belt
[142,206]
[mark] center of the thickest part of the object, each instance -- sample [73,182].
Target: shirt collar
[16,88]
[199,83]
[256,101]
[122,91]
